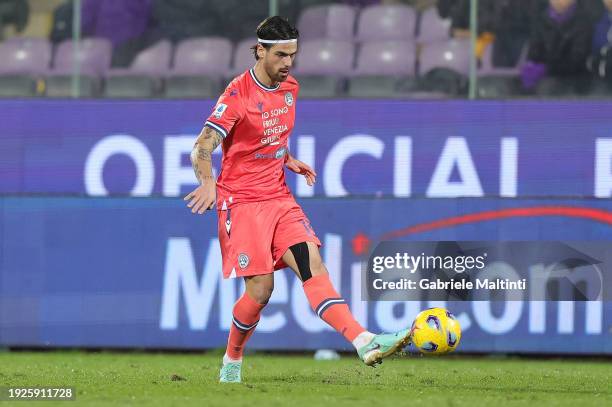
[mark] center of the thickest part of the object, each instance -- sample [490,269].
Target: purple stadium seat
[209,56]
[334,22]
[451,54]
[432,27]
[386,22]
[386,58]
[325,57]
[25,56]
[154,61]
[94,54]
[243,56]
[143,78]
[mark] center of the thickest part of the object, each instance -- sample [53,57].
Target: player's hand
[203,197]
[301,168]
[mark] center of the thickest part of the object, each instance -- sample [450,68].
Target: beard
[276,75]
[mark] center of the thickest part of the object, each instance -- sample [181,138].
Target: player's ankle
[227,359]
[363,339]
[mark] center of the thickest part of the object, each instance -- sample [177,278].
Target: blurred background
[349,48]
[425,120]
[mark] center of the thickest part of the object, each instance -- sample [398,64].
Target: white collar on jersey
[261,85]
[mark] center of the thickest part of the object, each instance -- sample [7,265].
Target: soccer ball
[435,331]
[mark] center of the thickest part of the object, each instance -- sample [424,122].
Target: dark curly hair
[274,28]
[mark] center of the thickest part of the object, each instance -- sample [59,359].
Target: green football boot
[230,372]
[383,345]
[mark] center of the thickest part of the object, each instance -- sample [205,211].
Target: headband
[276,41]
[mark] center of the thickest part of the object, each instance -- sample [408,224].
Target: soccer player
[261,227]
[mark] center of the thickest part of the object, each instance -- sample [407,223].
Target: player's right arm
[227,112]
[204,196]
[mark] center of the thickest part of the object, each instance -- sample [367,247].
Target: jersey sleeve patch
[226,113]
[219,110]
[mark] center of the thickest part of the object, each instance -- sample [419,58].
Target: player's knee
[261,292]
[260,288]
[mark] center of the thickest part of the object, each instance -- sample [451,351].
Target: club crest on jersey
[243,260]
[288,98]
[260,106]
[219,110]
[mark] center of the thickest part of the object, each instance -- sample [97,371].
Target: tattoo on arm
[208,133]
[216,140]
[205,145]
[196,170]
[204,154]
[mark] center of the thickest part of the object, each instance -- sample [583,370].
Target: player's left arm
[301,168]
[297,166]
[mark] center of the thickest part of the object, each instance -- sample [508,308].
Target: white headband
[276,41]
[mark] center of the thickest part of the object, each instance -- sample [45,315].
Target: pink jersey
[255,121]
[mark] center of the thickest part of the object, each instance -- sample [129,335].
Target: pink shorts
[254,236]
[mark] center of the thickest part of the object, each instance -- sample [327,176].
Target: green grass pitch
[167,379]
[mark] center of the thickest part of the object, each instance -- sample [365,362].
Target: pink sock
[245,318]
[329,306]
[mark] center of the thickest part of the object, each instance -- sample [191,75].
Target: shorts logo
[288,98]
[219,110]
[243,260]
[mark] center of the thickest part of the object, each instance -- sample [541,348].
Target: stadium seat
[433,28]
[322,67]
[203,56]
[154,60]
[386,22]
[444,67]
[143,78]
[451,54]
[333,22]
[381,67]
[243,57]
[25,56]
[325,57]
[192,87]
[386,58]
[199,66]
[22,62]
[94,55]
